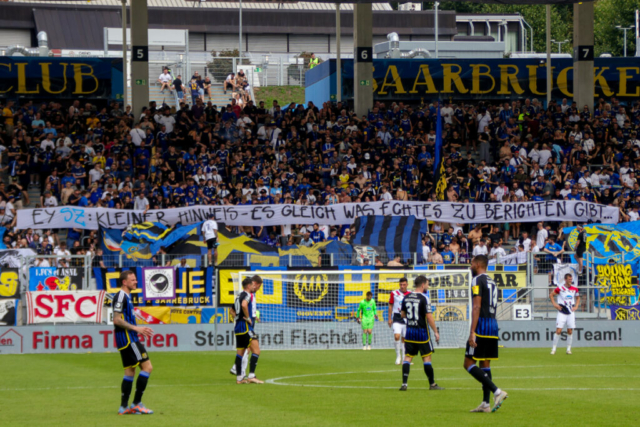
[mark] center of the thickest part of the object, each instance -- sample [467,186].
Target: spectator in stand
[230,83]
[165,80]
[178,86]
[480,249]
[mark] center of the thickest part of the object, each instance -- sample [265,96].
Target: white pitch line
[277,381]
[458,388]
[469,378]
[111,386]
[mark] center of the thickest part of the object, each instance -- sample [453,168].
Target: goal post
[316,309]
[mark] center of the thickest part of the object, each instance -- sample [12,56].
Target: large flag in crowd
[377,238]
[439,176]
[386,237]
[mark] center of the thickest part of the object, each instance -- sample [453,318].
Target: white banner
[561,270]
[344,213]
[65,307]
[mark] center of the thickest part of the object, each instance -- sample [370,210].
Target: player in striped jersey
[245,336]
[568,301]
[131,349]
[396,322]
[418,337]
[483,337]
[255,314]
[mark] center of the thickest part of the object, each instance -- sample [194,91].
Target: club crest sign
[159,283]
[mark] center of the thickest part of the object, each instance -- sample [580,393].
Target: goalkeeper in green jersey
[367,314]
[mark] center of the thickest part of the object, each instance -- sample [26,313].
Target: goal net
[316,309]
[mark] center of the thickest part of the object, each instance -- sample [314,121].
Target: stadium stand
[88,155]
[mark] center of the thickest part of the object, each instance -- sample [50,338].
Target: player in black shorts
[483,337]
[131,349]
[581,246]
[245,321]
[417,311]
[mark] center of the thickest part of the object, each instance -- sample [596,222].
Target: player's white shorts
[399,329]
[566,319]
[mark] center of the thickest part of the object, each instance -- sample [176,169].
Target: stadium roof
[303,5]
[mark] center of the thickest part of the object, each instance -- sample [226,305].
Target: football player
[567,302]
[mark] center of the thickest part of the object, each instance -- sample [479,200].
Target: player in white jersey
[255,314]
[396,322]
[566,302]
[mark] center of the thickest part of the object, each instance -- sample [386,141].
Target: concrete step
[218,97]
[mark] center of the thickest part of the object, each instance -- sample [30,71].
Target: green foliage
[608,14]
[283,94]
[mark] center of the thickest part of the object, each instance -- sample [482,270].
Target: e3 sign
[522,312]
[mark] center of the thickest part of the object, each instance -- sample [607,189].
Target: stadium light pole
[125,74]
[436,4]
[240,33]
[549,81]
[338,59]
[559,44]
[625,29]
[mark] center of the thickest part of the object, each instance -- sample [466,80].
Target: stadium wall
[219,337]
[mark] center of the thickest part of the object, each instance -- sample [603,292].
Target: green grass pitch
[594,386]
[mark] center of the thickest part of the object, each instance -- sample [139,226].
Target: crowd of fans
[203,154]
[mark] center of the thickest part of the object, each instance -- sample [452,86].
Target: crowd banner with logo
[8,309]
[9,283]
[65,306]
[610,243]
[37,77]
[281,336]
[15,258]
[620,312]
[55,279]
[617,285]
[193,287]
[159,283]
[343,213]
[302,294]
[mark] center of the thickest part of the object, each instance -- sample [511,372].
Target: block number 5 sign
[140,54]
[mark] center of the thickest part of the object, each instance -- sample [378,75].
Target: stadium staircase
[218,96]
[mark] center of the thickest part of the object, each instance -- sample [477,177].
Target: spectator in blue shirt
[334,236]
[316,235]
[447,255]
[553,249]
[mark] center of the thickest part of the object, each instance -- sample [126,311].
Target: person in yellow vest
[313,61]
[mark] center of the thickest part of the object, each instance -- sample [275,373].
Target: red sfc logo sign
[65,306]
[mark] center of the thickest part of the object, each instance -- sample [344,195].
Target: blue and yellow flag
[439,176]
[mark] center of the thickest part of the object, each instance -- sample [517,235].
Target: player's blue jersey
[242,326]
[483,286]
[416,307]
[122,304]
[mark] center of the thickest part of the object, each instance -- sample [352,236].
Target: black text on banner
[345,213]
